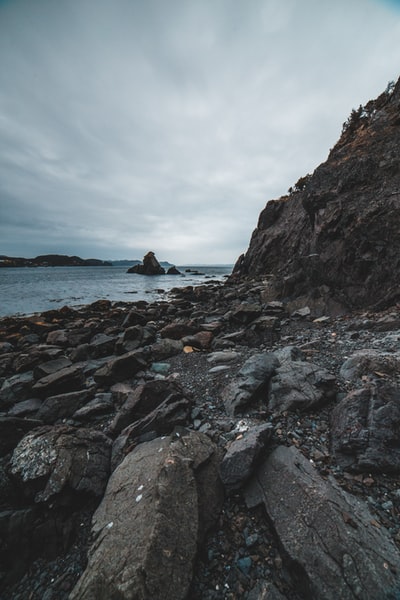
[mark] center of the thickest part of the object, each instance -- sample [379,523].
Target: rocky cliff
[334,240]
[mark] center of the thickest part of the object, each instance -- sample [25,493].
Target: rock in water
[150,266]
[329,536]
[157,504]
[335,239]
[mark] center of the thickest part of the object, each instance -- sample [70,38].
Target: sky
[166,125]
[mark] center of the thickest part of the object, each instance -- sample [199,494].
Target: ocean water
[25,290]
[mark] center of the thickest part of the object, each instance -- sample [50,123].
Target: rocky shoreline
[229,447]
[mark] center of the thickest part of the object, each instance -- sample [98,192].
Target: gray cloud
[129,125]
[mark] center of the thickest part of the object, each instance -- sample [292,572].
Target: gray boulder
[300,385]
[251,382]
[328,536]
[12,430]
[146,530]
[365,428]
[52,460]
[241,457]
[150,266]
[120,368]
[15,389]
[368,362]
[69,379]
[62,406]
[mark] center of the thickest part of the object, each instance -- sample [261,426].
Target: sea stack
[150,266]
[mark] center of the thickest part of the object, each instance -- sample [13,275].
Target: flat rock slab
[69,379]
[334,550]
[146,529]
[120,368]
[365,429]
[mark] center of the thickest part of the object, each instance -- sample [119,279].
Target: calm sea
[29,290]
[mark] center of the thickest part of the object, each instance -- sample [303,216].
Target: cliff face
[336,236]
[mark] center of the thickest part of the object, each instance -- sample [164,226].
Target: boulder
[173,271]
[369,362]
[300,385]
[328,536]
[120,368]
[12,430]
[251,383]
[135,337]
[177,330]
[146,398]
[242,455]
[51,461]
[69,379]
[62,406]
[50,367]
[165,348]
[365,428]
[102,345]
[157,407]
[150,266]
[16,388]
[246,313]
[146,530]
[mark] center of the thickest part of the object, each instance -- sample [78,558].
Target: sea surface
[27,290]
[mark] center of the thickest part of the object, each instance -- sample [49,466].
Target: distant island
[52,260]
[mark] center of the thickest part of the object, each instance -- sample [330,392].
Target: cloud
[132,125]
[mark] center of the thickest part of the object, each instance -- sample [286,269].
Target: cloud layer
[127,126]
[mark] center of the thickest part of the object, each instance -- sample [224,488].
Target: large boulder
[365,428]
[300,385]
[146,530]
[69,379]
[369,362]
[251,382]
[120,368]
[328,536]
[150,266]
[50,461]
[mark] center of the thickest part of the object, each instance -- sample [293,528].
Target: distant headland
[52,260]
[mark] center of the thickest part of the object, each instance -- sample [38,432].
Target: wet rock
[328,535]
[101,345]
[177,330]
[251,382]
[300,385]
[222,357]
[134,317]
[246,313]
[65,380]
[26,408]
[165,348]
[50,367]
[154,498]
[12,430]
[368,362]
[121,368]
[144,399]
[62,406]
[58,338]
[242,455]
[100,405]
[16,388]
[150,266]
[135,337]
[52,461]
[365,429]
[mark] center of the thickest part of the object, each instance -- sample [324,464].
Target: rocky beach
[230,448]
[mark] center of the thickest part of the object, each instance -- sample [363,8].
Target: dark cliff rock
[337,234]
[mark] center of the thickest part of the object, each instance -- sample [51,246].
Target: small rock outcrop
[150,266]
[334,240]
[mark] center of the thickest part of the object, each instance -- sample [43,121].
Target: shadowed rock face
[150,266]
[337,234]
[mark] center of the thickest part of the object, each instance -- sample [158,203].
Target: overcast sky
[166,125]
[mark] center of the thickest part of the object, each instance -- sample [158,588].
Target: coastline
[222,328]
